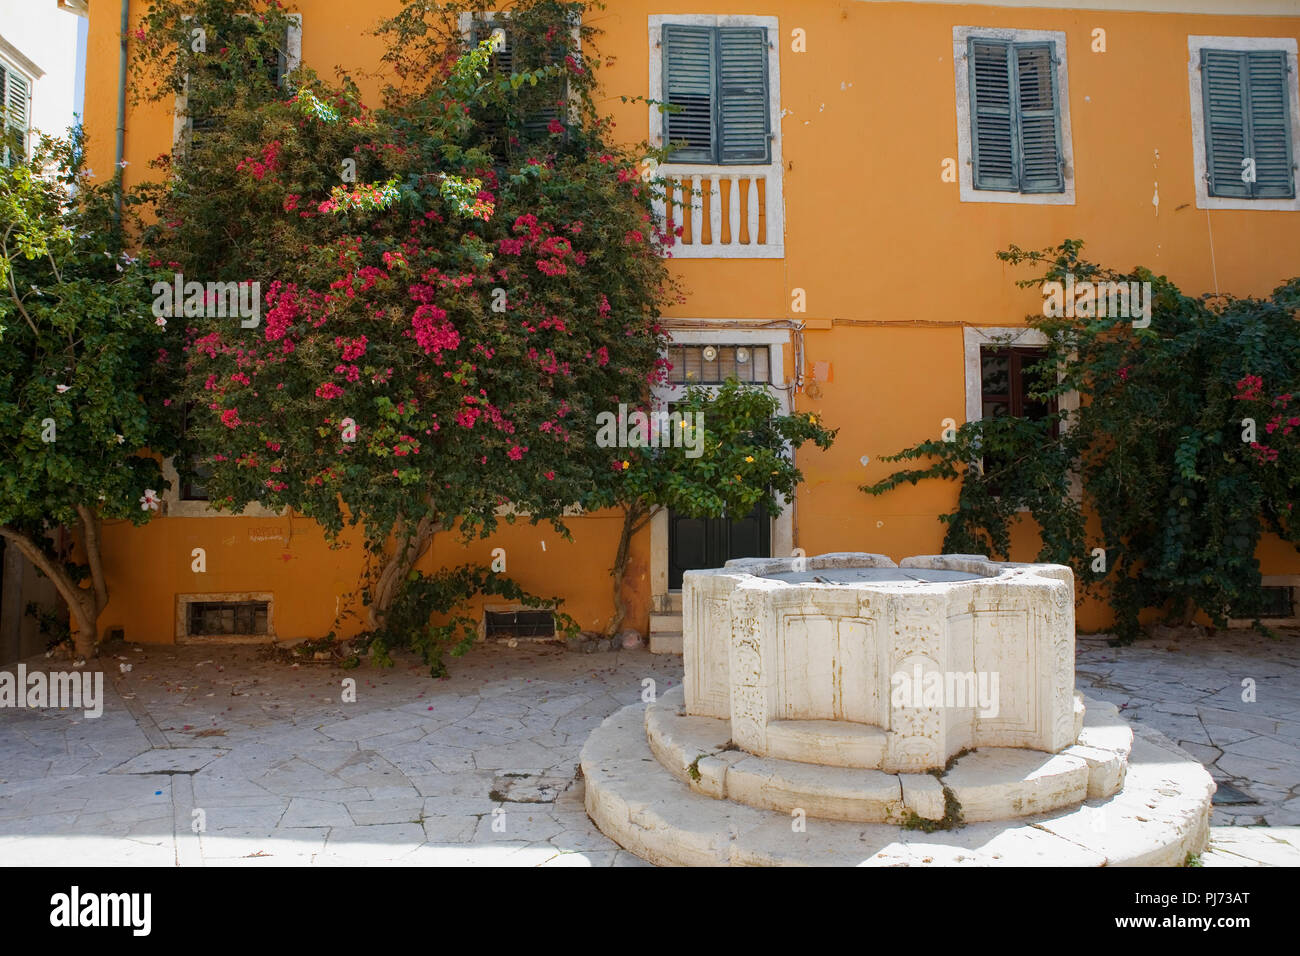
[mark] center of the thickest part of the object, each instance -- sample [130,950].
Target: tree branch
[72,595]
[13,289]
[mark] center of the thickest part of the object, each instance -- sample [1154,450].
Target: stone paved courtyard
[480,768]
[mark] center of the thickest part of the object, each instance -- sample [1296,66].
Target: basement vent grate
[1277,602]
[210,618]
[519,623]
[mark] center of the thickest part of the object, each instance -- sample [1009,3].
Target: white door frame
[782,529]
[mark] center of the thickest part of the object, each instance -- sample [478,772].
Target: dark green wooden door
[711,542]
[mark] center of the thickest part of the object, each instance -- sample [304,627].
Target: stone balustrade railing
[724,212]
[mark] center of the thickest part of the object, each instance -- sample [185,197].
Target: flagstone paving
[219,756]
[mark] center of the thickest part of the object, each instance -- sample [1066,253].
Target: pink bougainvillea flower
[432,331]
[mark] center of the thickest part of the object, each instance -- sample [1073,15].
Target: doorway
[695,543]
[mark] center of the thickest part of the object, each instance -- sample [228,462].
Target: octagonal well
[853,660]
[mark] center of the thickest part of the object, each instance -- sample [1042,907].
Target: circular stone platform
[801,734]
[1158,817]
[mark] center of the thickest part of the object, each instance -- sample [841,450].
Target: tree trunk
[396,566]
[635,517]
[83,605]
[90,542]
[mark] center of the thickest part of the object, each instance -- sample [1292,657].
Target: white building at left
[42,67]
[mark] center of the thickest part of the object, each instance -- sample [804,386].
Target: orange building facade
[847,261]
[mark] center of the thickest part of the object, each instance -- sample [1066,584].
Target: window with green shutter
[201,108]
[715,82]
[1015,115]
[1247,104]
[15,90]
[546,100]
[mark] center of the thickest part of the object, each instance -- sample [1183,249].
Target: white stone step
[999,783]
[1161,815]
[828,793]
[831,743]
[1104,744]
[665,623]
[665,644]
[992,783]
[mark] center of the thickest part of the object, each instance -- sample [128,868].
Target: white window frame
[465,23]
[180,116]
[775,340]
[30,72]
[961,36]
[1195,44]
[174,506]
[974,339]
[714,176]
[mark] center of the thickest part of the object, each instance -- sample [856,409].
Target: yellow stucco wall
[873,235]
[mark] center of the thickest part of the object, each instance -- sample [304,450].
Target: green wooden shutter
[277,62]
[992,115]
[1038,118]
[555,91]
[17,122]
[1223,88]
[503,60]
[536,122]
[1269,93]
[4,128]
[744,123]
[688,84]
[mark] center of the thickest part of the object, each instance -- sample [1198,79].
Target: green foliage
[1159,446]
[747,456]
[85,371]
[84,368]
[446,594]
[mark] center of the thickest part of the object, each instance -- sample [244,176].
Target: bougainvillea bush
[84,375]
[450,293]
[1186,448]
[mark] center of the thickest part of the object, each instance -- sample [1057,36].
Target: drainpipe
[121,110]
